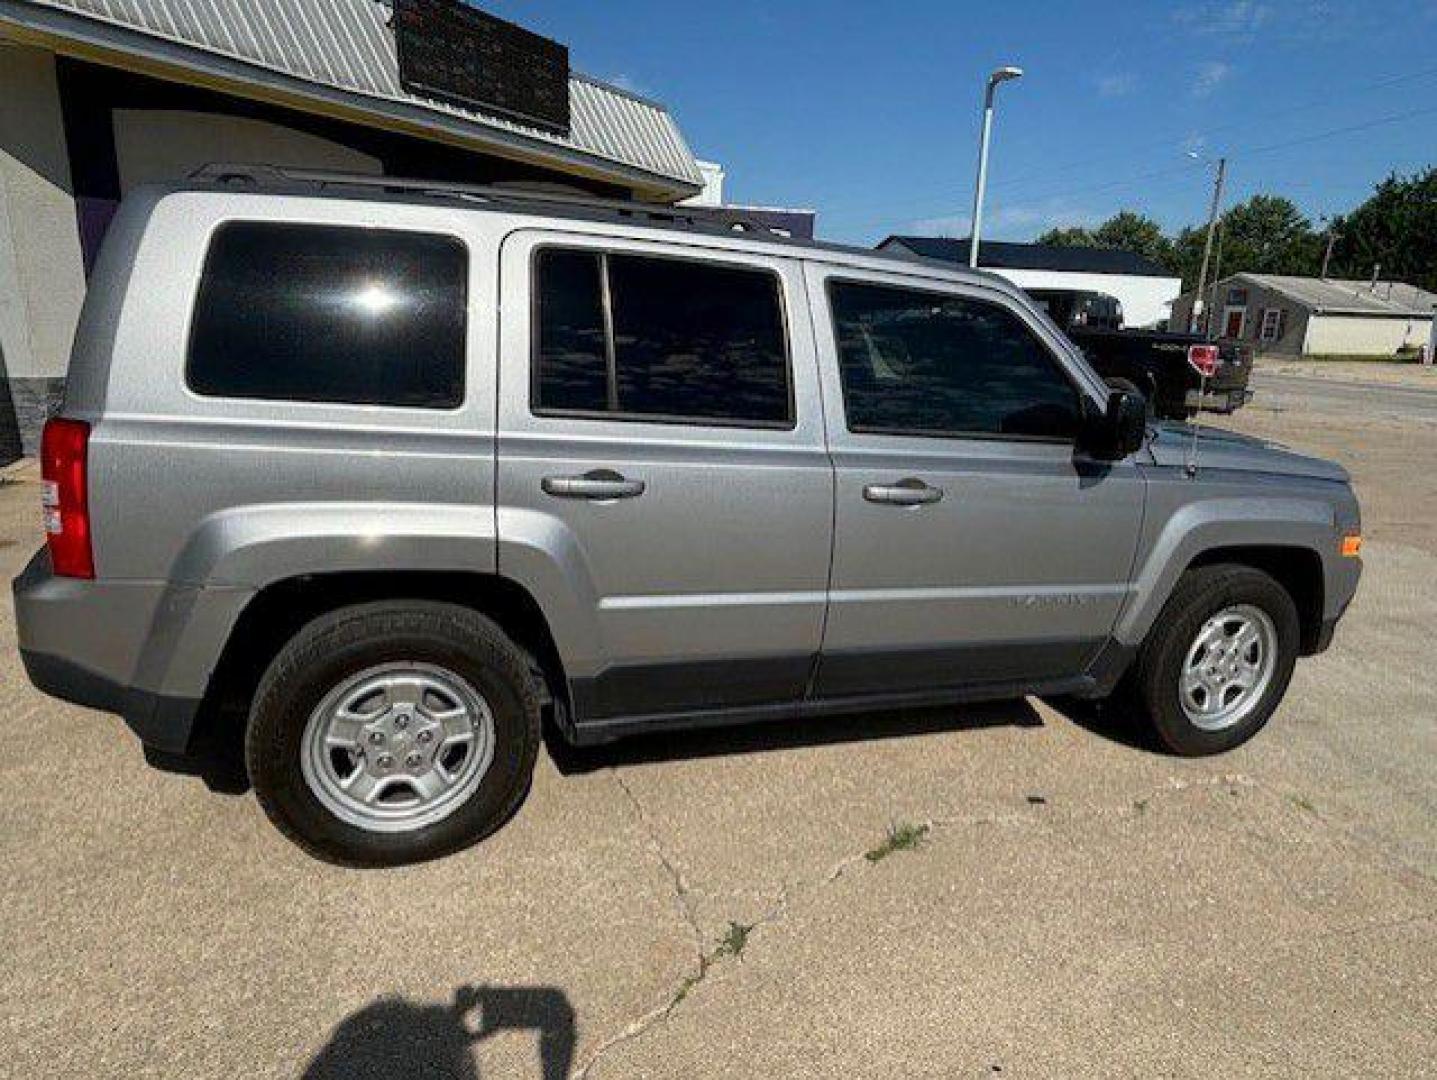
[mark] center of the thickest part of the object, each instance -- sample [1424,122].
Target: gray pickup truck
[404,471]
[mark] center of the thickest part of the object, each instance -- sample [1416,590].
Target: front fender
[1176,539]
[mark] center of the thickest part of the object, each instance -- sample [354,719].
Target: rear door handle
[909,492]
[598,484]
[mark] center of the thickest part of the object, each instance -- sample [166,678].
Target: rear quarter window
[322,313]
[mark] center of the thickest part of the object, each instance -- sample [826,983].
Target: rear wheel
[1216,665]
[393,732]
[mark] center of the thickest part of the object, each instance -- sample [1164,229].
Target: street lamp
[1199,297]
[1002,75]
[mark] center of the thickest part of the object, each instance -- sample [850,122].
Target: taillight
[63,450]
[1203,359]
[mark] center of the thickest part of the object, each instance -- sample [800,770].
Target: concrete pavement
[702,905]
[1371,397]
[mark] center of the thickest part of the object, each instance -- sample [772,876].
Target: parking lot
[1057,898]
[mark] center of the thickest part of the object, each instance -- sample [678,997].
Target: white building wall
[44,281]
[1353,335]
[169,144]
[712,194]
[1146,301]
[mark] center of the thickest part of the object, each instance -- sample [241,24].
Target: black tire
[342,643]
[1199,595]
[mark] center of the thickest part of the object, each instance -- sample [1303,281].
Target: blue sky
[868,111]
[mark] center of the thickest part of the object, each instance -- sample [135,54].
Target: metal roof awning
[339,58]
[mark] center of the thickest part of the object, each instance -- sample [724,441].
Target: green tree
[1127,231]
[1269,235]
[1124,231]
[1073,237]
[1185,258]
[1397,228]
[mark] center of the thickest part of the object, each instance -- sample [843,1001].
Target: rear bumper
[1222,401]
[142,650]
[161,722]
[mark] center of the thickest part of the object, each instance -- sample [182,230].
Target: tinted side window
[331,314]
[684,340]
[930,364]
[573,367]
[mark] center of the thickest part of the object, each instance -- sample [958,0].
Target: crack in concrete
[1133,807]
[657,1015]
[681,887]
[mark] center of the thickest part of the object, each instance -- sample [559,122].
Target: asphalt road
[704,905]
[1302,392]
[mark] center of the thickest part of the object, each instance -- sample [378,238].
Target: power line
[1286,111]
[1350,129]
[1108,159]
[1240,153]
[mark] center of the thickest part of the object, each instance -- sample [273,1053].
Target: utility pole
[1199,296]
[1002,75]
[1211,301]
[1332,239]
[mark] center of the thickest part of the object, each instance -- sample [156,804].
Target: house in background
[1144,288]
[98,96]
[1300,316]
[796,223]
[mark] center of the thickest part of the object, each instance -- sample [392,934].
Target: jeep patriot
[401,471]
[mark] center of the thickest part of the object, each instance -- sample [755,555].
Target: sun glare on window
[375,300]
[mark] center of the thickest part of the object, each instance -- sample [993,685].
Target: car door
[974,543]
[662,473]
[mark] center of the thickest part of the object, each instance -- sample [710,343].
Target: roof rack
[691,217]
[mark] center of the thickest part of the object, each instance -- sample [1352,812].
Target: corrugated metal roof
[348,44]
[1350,297]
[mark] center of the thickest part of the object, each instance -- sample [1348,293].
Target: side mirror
[1120,428]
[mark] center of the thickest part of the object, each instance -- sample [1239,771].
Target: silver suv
[405,470]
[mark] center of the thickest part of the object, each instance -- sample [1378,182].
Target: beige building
[1318,317]
[97,96]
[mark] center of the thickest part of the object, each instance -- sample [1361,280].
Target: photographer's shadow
[394,1039]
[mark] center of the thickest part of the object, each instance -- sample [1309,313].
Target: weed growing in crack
[733,941]
[690,981]
[902,836]
[1303,803]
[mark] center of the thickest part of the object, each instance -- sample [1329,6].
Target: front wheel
[1219,660]
[394,732]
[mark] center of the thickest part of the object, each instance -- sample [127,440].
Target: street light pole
[1002,75]
[1200,295]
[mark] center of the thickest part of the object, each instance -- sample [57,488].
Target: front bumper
[1340,580]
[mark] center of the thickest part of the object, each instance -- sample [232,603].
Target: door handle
[598,484]
[909,492]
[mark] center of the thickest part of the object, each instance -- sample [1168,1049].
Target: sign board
[456,53]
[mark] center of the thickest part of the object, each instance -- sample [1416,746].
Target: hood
[1171,445]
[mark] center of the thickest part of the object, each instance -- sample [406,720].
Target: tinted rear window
[684,340]
[331,314]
